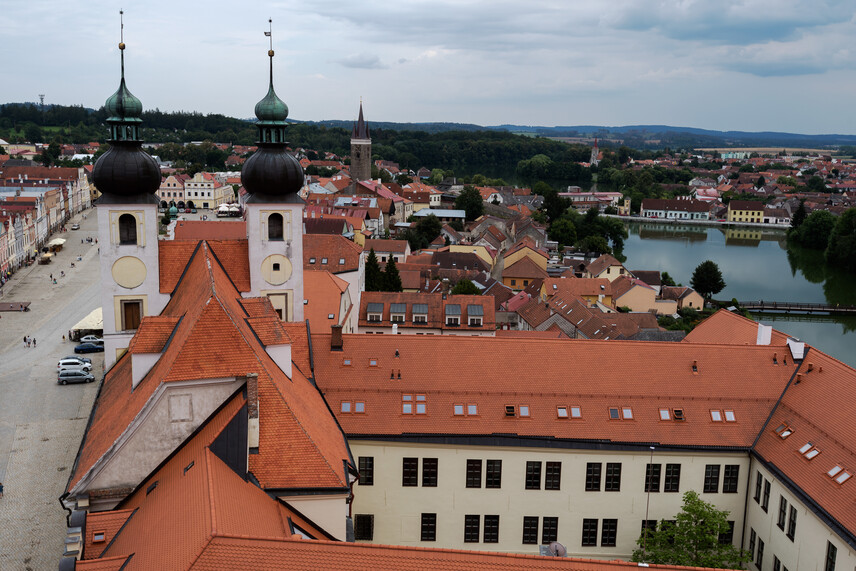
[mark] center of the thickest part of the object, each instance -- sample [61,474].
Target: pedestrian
[34,342]
[1,489]
[27,341]
[51,276]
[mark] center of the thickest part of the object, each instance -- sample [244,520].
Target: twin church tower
[131,257]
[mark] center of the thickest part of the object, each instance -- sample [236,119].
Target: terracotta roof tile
[727,328]
[173,257]
[106,564]
[210,230]
[601,263]
[106,523]
[153,334]
[335,249]
[435,305]
[577,287]
[524,268]
[323,292]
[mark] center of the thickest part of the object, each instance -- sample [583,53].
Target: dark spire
[125,173]
[272,174]
[361,128]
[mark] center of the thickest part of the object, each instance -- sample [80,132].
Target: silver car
[65,377]
[73,365]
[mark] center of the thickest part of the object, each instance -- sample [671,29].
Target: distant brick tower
[594,153]
[361,150]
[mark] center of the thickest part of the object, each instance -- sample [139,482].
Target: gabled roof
[525,267]
[727,328]
[624,283]
[323,294]
[173,257]
[597,266]
[396,246]
[577,287]
[217,337]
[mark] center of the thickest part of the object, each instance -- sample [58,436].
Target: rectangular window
[672,482]
[728,536]
[550,530]
[530,530]
[421,404]
[777,565]
[649,526]
[363,527]
[613,477]
[429,527]
[831,554]
[753,537]
[491,529]
[429,472]
[553,476]
[409,471]
[759,558]
[758,482]
[132,313]
[792,523]
[765,501]
[493,477]
[783,512]
[471,528]
[652,477]
[711,478]
[729,478]
[609,533]
[593,476]
[533,475]
[474,469]
[366,467]
[406,404]
[589,532]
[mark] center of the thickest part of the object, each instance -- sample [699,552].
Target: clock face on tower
[276,269]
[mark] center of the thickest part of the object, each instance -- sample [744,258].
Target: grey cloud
[362,61]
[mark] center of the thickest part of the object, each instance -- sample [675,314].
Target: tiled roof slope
[600,264]
[153,334]
[108,523]
[577,287]
[524,268]
[106,564]
[819,410]
[495,372]
[323,293]
[215,339]
[173,257]
[334,247]
[436,305]
[210,230]
[727,328]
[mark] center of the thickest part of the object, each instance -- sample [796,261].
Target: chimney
[252,411]
[336,342]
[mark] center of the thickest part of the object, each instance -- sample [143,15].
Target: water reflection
[839,287]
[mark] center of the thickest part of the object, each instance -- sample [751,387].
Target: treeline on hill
[465,153]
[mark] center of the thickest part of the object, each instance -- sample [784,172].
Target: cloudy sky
[777,65]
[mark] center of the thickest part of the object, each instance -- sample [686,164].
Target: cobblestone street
[41,422]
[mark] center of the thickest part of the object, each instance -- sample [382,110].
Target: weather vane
[268,34]
[121,26]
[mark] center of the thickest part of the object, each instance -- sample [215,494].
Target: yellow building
[746,211]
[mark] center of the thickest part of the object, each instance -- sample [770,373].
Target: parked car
[73,365]
[89,348]
[78,357]
[75,226]
[91,339]
[193,210]
[65,377]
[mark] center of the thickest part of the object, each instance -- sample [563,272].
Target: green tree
[465,287]
[841,251]
[815,184]
[814,232]
[470,200]
[666,279]
[374,277]
[693,540]
[760,182]
[597,244]
[563,231]
[391,279]
[707,279]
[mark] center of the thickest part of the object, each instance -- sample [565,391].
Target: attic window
[323,260]
[843,477]
[372,362]
[459,410]
[346,362]
[276,266]
[341,261]
[421,404]
[784,431]
[716,415]
[613,414]
[510,410]
[695,366]
[729,416]
[472,409]
[679,414]
[311,260]
[98,536]
[627,413]
[524,410]
[834,471]
[665,414]
[151,488]
[406,404]
[359,407]
[189,466]
[576,412]
[562,411]
[346,406]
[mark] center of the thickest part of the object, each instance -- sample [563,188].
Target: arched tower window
[275,226]
[127,229]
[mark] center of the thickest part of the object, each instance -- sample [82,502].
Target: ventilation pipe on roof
[810,368]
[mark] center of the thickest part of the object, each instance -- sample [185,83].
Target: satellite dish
[557,549]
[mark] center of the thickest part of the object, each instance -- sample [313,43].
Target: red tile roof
[334,248]
[232,254]
[210,230]
[395,246]
[727,328]
[577,287]
[323,293]
[524,268]
[647,376]
[436,305]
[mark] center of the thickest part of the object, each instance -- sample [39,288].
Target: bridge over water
[762,306]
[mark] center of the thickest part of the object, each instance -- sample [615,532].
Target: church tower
[361,150]
[594,154]
[127,178]
[274,211]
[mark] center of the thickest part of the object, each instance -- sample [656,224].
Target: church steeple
[361,128]
[272,174]
[361,149]
[125,173]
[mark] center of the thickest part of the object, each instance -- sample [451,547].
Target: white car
[91,339]
[73,365]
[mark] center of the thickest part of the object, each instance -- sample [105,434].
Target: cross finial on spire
[122,41]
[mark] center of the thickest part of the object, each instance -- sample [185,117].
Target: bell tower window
[275,226]
[127,229]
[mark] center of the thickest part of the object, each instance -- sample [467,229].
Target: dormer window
[453,315]
[98,536]
[420,313]
[397,312]
[475,314]
[374,312]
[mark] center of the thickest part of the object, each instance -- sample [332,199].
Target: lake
[756,265]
